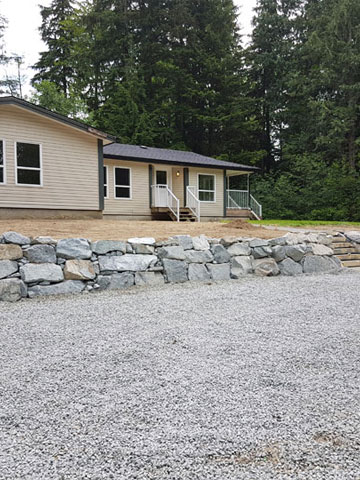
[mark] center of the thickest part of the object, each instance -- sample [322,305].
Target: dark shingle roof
[172,157]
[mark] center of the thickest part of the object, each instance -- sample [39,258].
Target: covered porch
[240,203]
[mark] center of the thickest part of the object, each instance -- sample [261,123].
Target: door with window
[162,179]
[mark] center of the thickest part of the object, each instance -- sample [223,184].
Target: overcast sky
[22,35]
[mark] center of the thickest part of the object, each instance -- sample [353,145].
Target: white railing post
[192,202]
[240,199]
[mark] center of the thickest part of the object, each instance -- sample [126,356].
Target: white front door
[162,181]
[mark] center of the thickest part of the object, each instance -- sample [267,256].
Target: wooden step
[351,263]
[344,251]
[342,245]
[339,239]
[349,256]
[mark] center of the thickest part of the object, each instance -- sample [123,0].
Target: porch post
[150,184]
[186,184]
[248,188]
[225,194]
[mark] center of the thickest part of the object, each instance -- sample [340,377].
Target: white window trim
[28,168]
[107,181]
[4,161]
[212,191]
[123,186]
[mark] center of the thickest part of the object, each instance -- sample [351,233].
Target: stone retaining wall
[43,266]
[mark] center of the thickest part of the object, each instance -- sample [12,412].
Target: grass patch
[302,223]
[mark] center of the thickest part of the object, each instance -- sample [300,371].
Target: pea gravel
[251,379]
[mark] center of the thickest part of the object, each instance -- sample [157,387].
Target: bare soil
[122,230]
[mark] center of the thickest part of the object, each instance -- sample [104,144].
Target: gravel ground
[253,379]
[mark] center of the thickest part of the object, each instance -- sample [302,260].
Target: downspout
[249,193]
[225,194]
[186,184]
[150,184]
[101,174]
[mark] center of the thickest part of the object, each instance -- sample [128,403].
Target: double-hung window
[105,182]
[122,178]
[206,187]
[2,161]
[28,164]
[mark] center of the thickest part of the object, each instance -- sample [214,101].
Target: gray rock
[320,249]
[325,239]
[258,242]
[237,249]
[117,281]
[281,241]
[201,243]
[198,256]
[68,287]
[142,249]
[185,241]
[40,272]
[290,268]
[175,270]
[198,273]
[318,264]
[241,266]
[10,252]
[219,272]
[170,242]
[128,262]
[41,254]
[11,290]
[73,248]
[278,253]
[353,236]
[17,238]
[101,247]
[43,241]
[227,241]
[79,270]
[129,248]
[143,241]
[172,253]
[261,252]
[221,255]
[7,267]
[266,267]
[149,278]
[295,252]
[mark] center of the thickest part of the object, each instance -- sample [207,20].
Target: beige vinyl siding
[210,209]
[69,163]
[178,184]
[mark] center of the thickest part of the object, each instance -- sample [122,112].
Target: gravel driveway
[251,379]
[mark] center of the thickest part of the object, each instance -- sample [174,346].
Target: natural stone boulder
[117,281]
[280,241]
[7,267]
[41,272]
[290,268]
[10,252]
[295,252]
[41,254]
[149,278]
[43,241]
[142,249]
[184,241]
[237,249]
[79,270]
[227,241]
[266,267]
[198,273]
[198,256]
[221,255]
[175,270]
[308,238]
[353,236]
[73,248]
[172,253]
[143,241]
[278,253]
[201,243]
[258,242]
[11,290]
[317,264]
[128,262]
[219,272]
[241,266]
[294,238]
[319,249]
[65,288]
[17,238]
[101,247]
[325,239]
[261,252]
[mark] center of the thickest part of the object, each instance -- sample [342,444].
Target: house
[52,166]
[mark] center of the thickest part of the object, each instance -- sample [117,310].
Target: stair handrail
[233,201]
[192,201]
[170,197]
[256,208]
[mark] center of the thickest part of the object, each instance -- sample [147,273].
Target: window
[2,161]
[122,182]
[28,163]
[206,187]
[105,182]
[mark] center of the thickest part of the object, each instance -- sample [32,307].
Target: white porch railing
[192,201]
[240,199]
[164,197]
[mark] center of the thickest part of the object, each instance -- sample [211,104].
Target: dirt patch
[122,230]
